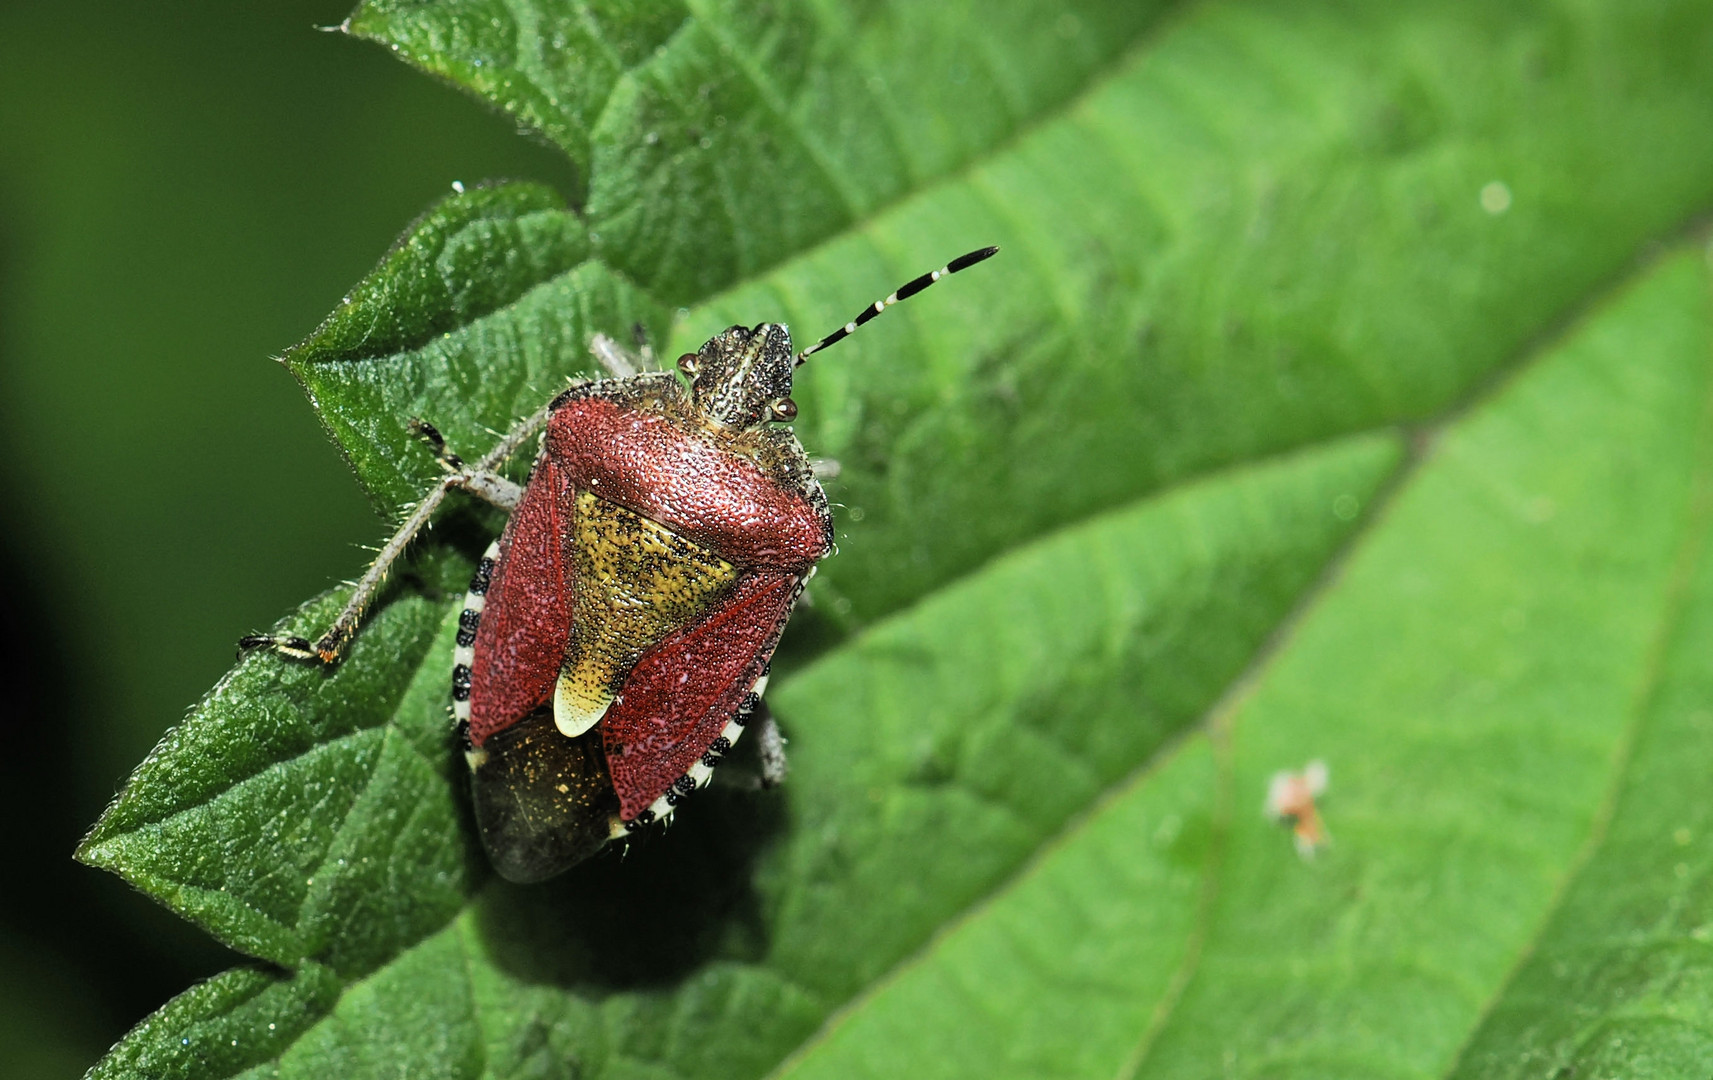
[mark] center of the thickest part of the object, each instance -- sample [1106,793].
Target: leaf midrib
[1424,447]
[768,93]
[1096,79]
[1690,554]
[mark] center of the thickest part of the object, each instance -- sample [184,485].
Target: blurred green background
[185,190]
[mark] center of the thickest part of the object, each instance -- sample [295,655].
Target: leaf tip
[358,26]
[93,850]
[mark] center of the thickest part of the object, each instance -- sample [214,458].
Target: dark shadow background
[186,188]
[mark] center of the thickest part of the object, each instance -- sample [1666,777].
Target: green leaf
[944,722]
[1618,984]
[476,318]
[1279,283]
[1472,678]
[551,65]
[308,814]
[224,1025]
[1249,231]
[720,137]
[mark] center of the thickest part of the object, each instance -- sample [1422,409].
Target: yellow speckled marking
[637,582]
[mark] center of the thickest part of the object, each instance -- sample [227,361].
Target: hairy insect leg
[481,480]
[619,362]
[483,483]
[430,434]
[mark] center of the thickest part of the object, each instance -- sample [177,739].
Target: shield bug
[615,640]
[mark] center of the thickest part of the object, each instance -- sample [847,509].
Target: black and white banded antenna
[904,292]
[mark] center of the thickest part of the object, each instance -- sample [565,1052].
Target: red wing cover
[681,693]
[526,620]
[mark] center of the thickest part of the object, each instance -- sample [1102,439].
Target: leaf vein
[774,100]
[1670,620]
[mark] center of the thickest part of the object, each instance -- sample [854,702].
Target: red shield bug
[616,637]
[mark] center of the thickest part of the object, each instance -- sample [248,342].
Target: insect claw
[296,648]
[430,434]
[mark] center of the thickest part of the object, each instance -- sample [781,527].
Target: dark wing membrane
[543,802]
[526,620]
[681,693]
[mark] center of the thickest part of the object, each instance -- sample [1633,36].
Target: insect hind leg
[764,765]
[770,744]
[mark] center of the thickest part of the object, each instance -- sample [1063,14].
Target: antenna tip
[963,262]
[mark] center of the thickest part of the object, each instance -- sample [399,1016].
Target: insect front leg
[481,480]
[619,362]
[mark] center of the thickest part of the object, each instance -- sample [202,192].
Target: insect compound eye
[687,363]
[785,409]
